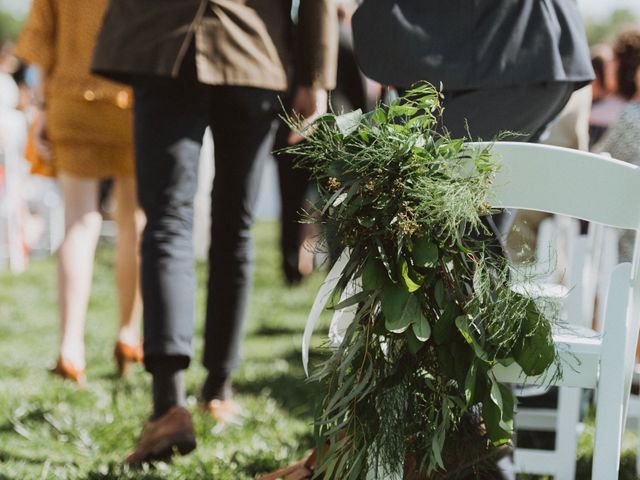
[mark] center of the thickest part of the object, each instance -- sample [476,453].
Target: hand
[41,140]
[308,103]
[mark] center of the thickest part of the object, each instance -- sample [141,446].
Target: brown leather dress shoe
[64,369]
[126,354]
[160,439]
[224,412]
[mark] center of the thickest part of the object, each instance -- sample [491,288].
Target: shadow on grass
[291,390]
[14,457]
[271,331]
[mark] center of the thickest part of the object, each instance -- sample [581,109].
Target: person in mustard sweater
[84,127]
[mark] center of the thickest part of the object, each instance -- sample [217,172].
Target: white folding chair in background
[575,289]
[603,191]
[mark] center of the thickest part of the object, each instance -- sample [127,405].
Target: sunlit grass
[50,430]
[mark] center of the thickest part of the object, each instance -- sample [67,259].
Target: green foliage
[9,26]
[437,311]
[49,430]
[599,31]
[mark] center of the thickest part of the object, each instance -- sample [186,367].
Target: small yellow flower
[333,183]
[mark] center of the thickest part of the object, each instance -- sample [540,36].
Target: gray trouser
[170,119]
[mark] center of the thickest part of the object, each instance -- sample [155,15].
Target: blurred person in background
[193,64]
[84,128]
[607,101]
[622,138]
[13,168]
[353,91]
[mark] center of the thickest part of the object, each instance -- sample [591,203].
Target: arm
[317,50]
[36,45]
[41,140]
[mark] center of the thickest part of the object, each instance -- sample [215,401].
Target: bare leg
[130,221]
[75,262]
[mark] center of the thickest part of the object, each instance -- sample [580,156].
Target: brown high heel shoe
[64,369]
[126,354]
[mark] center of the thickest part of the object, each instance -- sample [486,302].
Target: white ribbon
[341,318]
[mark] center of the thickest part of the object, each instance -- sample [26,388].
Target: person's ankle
[216,387]
[73,356]
[168,385]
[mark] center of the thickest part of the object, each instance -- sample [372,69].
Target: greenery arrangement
[410,391]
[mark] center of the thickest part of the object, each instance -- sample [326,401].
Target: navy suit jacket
[470,44]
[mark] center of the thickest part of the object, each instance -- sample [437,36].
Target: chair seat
[579,350]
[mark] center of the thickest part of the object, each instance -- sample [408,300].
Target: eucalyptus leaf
[535,351]
[445,326]
[463,357]
[438,293]
[424,253]
[384,258]
[373,274]
[411,285]
[412,342]
[394,298]
[437,446]
[399,307]
[446,361]
[497,411]
[470,383]
[462,322]
[354,299]
[379,116]
[421,327]
[349,122]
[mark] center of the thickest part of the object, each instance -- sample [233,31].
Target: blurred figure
[13,169]
[84,126]
[622,139]
[607,102]
[193,64]
[297,237]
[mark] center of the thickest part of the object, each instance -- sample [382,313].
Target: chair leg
[636,414]
[611,394]
[567,432]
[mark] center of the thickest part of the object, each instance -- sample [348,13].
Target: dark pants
[295,184]
[170,119]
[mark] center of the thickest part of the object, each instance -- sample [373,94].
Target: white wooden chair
[607,192]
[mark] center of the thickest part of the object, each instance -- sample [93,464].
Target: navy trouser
[170,119]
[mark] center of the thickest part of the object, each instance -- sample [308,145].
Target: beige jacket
[238,42]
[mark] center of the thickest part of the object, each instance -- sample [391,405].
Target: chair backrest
[566,182]
[577,184]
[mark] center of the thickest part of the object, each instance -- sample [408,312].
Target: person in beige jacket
[193,64]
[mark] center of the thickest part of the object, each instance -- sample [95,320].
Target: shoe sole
[181,444]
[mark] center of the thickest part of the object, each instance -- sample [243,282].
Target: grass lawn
[50,430]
